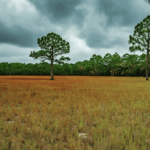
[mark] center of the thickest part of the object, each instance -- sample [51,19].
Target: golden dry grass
[74,113]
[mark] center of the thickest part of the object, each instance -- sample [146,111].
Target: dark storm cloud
[90,26]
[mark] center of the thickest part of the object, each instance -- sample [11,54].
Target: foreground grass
[74,113]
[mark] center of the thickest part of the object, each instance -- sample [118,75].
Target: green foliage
[53,46]
[131,65]
[141,39]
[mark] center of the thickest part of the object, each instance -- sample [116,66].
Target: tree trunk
[147,75]
[147,60]
[111,72]
[52,70]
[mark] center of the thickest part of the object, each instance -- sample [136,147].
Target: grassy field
[74,113]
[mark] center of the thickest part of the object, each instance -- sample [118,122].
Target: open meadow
[74,113]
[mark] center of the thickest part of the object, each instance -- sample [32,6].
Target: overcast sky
[90,26]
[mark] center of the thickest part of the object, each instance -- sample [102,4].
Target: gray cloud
[90,26]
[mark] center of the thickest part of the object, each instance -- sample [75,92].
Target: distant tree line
[109,65]
[52,45]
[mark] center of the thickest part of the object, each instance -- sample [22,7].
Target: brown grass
[74,113]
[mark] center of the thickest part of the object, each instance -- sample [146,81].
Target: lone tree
[141,28]
[58,47]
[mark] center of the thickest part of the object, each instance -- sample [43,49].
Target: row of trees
[114,65]
[53,45]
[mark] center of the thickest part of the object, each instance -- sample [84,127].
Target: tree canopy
[140,30]
[129,65]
